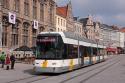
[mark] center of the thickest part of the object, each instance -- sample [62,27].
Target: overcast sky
[107,11]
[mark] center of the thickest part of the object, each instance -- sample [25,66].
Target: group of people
[7,59]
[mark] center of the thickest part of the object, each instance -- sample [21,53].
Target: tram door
[81,52]
[87,56]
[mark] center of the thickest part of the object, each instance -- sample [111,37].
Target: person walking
[7,61]
[2,58]
[12,58]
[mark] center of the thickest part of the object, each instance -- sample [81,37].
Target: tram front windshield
[48,47]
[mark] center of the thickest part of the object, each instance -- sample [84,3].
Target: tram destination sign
[46,39]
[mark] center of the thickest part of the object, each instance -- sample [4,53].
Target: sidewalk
[21,71]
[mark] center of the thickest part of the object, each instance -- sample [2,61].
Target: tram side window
[95,51]
[72,51]
[65,51]
[85,52]
[82,51]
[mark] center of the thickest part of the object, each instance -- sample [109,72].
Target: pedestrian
[2,58]
[12,58]
[7,61]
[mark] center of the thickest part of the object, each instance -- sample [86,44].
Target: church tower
[70,26]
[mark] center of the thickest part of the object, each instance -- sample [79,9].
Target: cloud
[110,11]
[120,17]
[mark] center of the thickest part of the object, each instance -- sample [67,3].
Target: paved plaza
[110,71]
[21,71]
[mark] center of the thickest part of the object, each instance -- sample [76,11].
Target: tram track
[20,79]
[32,79]
[95,74]
[29,79]
[93,69]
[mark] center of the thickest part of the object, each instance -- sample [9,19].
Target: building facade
[60,23]
[88,27]
[31,17]
[78,28]
[97,31]
[110,37]
[122,39]
[66,12]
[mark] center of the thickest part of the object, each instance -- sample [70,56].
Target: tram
[58,52]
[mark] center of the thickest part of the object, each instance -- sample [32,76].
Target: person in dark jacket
[12,58]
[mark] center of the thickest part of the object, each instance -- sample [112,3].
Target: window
[17,5]
[25,33]
[34,9]
[34,33]
[58,21]
[4,33]
[1,2]
[41,12]
[51,13]
[61,22]
[64,23]
[14,36]
[72,51]
[26,7]
[41,29]
[6,4]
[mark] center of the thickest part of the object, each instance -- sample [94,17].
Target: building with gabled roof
[66,12]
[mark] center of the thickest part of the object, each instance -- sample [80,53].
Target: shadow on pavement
[31,72]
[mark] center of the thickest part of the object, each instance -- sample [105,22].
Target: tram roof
[74,36]
[70,35]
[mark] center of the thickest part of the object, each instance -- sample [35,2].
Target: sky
[111,12]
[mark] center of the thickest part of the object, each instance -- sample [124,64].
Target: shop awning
[111,49]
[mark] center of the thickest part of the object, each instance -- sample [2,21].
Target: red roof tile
[122,30]
[62,11]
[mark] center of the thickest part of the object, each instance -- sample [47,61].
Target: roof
[62,11]
[83,21]
[73,36]
[23,48]
[105,26]
[122,30]
[115,27]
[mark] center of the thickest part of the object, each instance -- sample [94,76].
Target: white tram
[65,51]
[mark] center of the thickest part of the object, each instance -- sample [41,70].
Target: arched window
[4,31]
[41,29]
[51,30]
[25,33]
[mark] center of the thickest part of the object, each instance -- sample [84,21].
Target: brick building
[27,12]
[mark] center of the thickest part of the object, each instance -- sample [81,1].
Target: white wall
[78,28]
[122,38]
[60,23]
